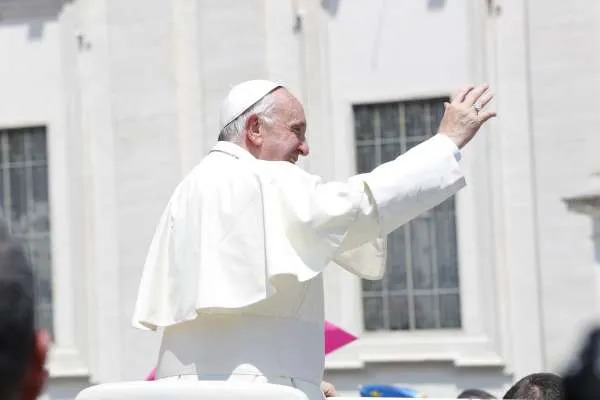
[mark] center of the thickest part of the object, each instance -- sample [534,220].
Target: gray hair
[232,132]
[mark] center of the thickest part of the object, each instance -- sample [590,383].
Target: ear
[36,373]
[252,128]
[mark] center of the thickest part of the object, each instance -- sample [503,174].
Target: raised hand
[464,115]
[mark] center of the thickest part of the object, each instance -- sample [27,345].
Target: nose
[304,149]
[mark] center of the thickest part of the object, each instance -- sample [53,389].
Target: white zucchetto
[243,96]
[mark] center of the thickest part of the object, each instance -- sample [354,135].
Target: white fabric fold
[235,222]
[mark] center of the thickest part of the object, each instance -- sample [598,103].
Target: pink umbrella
[335,337]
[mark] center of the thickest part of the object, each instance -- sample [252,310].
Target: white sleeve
[414,182]
[349,220]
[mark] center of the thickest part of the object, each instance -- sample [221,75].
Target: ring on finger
[477,107]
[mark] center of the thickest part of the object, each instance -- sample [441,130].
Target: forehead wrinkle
[287,106]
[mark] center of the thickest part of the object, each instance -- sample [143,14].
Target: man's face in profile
[283,134]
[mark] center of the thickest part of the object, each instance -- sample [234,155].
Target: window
[24,206]
[421,288]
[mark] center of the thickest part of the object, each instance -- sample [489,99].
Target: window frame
[6,136]
[375,113]
[66,358]
[480,341]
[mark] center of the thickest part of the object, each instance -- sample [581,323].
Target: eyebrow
[298,125]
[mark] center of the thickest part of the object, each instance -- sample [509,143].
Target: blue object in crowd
[389,391]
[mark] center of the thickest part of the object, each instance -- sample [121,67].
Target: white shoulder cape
[235,222]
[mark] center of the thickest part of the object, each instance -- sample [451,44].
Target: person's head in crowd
[23,349]
[581,381]
[539,386]
[475,394]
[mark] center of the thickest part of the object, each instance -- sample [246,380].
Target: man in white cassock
[233,277]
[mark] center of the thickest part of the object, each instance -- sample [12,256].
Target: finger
[460,96]
[485,116]
[472,97]
[485,98]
